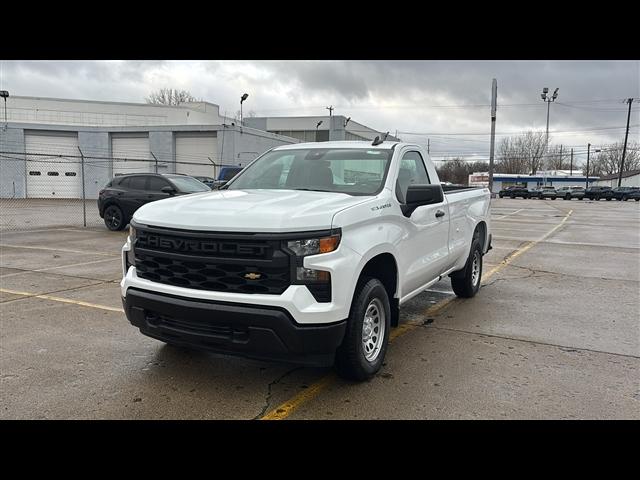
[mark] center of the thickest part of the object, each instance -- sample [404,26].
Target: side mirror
[419,195]
[168,189]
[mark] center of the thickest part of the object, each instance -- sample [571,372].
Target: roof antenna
[376,141]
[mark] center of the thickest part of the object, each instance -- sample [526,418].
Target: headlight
[314,246]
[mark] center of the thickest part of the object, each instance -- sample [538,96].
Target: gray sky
[445,101]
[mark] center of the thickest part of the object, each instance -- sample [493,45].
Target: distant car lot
[552,335]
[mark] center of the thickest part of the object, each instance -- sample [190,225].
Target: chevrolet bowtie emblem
[252,276]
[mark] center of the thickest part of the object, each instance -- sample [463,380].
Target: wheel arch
[384,267]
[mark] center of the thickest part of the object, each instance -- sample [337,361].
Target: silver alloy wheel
[475,269]
[373,330]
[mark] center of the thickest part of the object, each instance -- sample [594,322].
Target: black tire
[637,199]
[512,196]
[500,195]
[553,198]
[567,197]
[580,198]
[463,282]
[351,361]
[608,199]
[114,218]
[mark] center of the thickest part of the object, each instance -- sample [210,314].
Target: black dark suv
[596,193]
[625,193]
[514,191]
[123,195]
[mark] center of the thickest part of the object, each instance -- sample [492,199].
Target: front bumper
[238,329]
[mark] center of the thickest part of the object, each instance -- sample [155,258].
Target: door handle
[439,214]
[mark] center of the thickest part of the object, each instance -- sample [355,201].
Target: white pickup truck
[305,256]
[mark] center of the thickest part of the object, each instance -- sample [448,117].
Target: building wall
[632,181]
[55,111]
[12,163]
[236,146]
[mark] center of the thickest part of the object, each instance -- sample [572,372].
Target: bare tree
[456,170]
[522,153]
[170,96]
[556,161]
[607,162]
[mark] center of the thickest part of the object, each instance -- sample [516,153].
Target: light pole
[242,99]
[5,94]
[624,149]
[547,99]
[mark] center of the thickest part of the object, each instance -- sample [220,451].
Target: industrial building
[551,178]
[316,128]
[629,179]
[47,145]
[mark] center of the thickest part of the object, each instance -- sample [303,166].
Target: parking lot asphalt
[553,333]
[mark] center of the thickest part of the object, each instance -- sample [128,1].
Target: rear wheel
[608,199]
[466,282]
[625,198]
[365,342]
[114,218]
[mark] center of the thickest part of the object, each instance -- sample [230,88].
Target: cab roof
[340,144]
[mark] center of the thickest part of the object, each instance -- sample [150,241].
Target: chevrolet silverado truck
[306,256]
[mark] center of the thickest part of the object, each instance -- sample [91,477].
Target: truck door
[427,239]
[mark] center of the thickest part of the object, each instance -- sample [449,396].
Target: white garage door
[52,176]
[135,149]
[196,148]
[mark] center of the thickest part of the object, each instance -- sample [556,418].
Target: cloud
[438,98]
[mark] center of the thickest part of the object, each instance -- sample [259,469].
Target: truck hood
[247,210]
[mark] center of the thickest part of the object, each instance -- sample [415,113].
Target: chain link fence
[40,190]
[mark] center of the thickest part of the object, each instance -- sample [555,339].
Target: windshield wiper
[314,190]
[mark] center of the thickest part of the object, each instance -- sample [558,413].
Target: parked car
[543,192]
[303,268]
[567,193]
[208,181]
[635,195]
[514,191]
[622,193]
[123,195]
[596,193]
[226,174]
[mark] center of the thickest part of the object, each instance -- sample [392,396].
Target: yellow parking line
[287,408]
[63,300]
[4,245]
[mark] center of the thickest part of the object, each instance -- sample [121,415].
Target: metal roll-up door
[49,173]
[195,149]
[130,154]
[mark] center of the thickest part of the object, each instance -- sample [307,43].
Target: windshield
[189,184]
[341,170]
[229,173]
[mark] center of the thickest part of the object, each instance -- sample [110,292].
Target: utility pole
[624,149]
[588,151]
[571,164]
[560,157]
[330,108]
[429,146]
[494,105]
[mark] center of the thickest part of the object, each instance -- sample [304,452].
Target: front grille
[222,263]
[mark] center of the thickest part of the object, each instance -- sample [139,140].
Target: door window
[412,172]
[137,183]
[155,184]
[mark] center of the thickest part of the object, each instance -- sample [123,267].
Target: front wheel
[114,218]
[365,341]
[608,199]
[466,282]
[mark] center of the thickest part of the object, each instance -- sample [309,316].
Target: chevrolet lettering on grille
[200,246]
